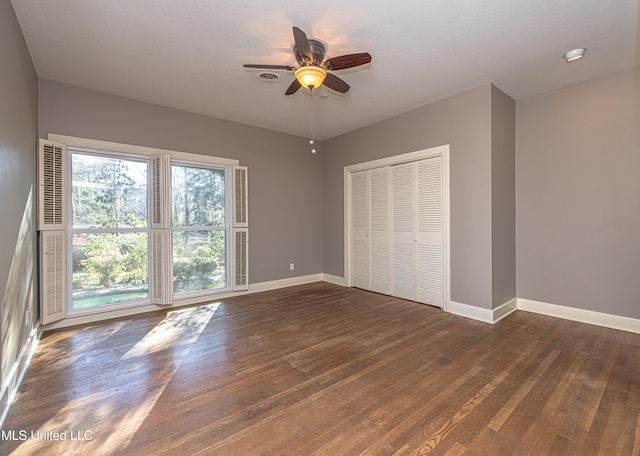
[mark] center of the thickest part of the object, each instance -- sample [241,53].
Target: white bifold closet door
[370,224]
[403,236]
[359,213]
[397,230]
[379,225]
[430,232]
[417,236]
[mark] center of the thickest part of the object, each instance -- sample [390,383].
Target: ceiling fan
[312,70]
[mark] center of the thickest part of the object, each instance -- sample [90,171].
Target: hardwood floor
[325,370]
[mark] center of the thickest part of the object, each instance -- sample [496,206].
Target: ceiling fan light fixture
[310,76]
[574,54]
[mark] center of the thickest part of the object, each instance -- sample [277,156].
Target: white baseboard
[132,311]
[283,283]
[484,315]
[505,309]
[336,280]
[473,312]
[9,390]
[543,308]
[580,315]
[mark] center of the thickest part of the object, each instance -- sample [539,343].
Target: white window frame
[106,148]
[227,227]
[71,311]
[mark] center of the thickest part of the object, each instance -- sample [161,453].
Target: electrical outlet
[292,266]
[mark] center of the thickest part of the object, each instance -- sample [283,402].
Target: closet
[397,230]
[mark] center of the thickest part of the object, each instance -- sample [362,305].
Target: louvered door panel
[403,228]
[380,258]
[52,276]
[359,212]
[430,280]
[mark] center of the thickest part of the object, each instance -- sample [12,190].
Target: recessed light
[574,54]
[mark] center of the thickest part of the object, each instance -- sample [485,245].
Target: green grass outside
[94,301]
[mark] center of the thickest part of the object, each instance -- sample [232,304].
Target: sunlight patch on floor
[179,327]
[148,382]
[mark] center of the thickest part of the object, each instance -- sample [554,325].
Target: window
[109,233]
[140,226]
[199,228]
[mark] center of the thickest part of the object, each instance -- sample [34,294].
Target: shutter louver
[160,179]
[161,264]
[240,197]
[161,268]
[52,159]
[156,192]
[240,228]
[52,276]
[241,259]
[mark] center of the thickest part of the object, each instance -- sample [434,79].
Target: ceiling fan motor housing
[318,50]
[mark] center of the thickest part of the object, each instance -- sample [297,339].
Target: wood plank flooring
[325,370]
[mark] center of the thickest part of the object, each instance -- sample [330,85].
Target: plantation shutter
[52,221]
[52,172]
[240,228]
[241,259]
[160,252]
[52,276]
[240,197]
[161,267]
[160,179]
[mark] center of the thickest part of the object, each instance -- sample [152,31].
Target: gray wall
[578,196]
[285,179]
[503,197]
[18,241]
[464,122]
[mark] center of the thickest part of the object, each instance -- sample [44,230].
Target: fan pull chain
[313,127]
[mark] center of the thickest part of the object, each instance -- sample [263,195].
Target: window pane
[198,260]
[197,196]
[109,268]
[108,192]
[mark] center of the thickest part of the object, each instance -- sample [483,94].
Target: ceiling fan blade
[302,44]
[270,67]
[293,88]
[334,82]
[347,61]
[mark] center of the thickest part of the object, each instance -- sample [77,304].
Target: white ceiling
[188,54]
